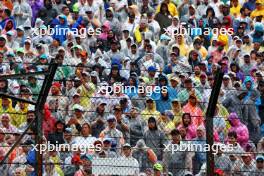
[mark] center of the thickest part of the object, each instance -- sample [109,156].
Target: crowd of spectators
[112,56]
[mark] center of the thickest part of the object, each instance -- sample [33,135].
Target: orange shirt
[8,4]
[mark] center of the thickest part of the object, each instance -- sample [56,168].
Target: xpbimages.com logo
[191,31]
[191,147]
[50,31]
[122,89]
[48,147]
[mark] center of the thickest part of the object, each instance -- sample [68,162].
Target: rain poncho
[147,113]
[196,113]
[24,9]
[239,128]
[252,93]
[62,30]
[190,129]
[35,6]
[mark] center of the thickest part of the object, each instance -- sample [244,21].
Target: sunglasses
[260,161]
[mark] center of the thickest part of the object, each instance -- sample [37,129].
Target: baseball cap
[28,41]
[238,40]
[260,158]
[85,73]
[164,37]
[259,73]
[56,84]
[94,73]
[149,99]
[107,140]
[61,48]
[77,107]
[226,77]
[10,54]
[136,108]
[158,167]
[68,130]
[43,56]
[10,33]
[20,28]
[237,83]
[77,46]
[192,6]
[152,69]
[20,50]
[86,157]
[175,100]
[88,9]
[102,103]
[62,17]
[175,17]
[2,37]
[110,117]
[76,94]
[174,78]
[126,145]
[246,55]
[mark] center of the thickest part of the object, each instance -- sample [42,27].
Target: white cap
[61,48]
[226,76]
[77,107]
[110,117]
[31,108]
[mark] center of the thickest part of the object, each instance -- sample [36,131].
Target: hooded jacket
[229,24]
[155,138]
[190,130]
[163,103]
[49,121]
[196,113]
[35,6]
[9,110]
[147,113]
[234,104]
[258,34]
[252,93]
[240,129]
[5,26]
[144,155]
[47,13]
[61,30]
[23,8]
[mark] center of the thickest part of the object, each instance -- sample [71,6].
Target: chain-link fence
[98,126]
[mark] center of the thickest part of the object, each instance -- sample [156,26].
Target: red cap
[57,84]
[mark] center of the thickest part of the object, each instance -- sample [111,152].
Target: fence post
[209,121]
[39,111]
